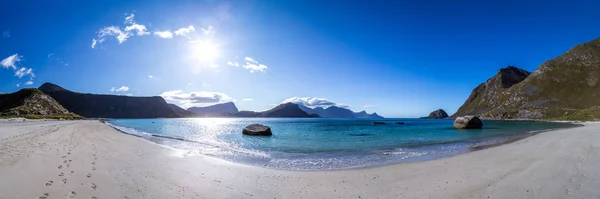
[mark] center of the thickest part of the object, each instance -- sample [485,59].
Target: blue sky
[397,58]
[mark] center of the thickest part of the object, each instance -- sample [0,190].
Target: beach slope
[87,159]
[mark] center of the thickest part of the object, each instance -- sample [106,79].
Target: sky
[396,58]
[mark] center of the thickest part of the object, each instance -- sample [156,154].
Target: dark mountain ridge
[109,106]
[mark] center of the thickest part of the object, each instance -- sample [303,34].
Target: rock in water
[437,114]
[378,122]
[398,122]
[257,129]
[468,122]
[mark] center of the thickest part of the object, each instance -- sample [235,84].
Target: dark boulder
[257,129]
[468,122]
[399,123]
[378,122]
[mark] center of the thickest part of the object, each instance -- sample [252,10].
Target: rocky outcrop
[257,130]
[109,106]
[437,114]
[486,95]
[33,103]
[563,88]
[468,122]
[214,110]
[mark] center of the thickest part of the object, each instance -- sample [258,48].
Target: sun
[206,51]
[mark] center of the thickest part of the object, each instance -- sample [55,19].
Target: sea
[327,144]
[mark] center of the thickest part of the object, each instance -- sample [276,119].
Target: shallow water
[324,144]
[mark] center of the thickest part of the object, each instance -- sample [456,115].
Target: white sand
[86,159]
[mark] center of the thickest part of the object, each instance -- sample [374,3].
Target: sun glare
[206,51]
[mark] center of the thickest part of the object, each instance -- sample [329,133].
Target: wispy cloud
[23,71]
[150,76]
[368,106]
[247,99]
[233,64]
[120,34]
[188,99]
[50,55]
[6,34]
[10,61]
[185,31]
[18,85]
[164,34]
[120,89]
[29,83]
[252,65]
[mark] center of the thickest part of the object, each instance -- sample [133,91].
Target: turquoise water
[325,144]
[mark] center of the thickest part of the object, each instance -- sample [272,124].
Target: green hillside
[32,103]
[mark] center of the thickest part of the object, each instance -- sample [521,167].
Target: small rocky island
[437,114]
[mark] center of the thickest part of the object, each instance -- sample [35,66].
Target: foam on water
[325,144]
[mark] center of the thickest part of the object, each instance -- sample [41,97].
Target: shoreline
[90,159]
[482,145]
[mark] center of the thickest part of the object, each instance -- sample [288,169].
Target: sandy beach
[87,159]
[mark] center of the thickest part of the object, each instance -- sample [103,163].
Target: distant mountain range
[338,112]
[109,106]
[214,110]
[52,99]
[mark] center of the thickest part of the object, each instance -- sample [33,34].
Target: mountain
[338,112]
[181,111]
[282,110]
[109,106]
[32,103]
[565,87]
[214,110]
[437,114]
[364,114]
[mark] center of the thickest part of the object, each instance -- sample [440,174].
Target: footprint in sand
[64,181]
[44,196]
[93,168]
[60,166]
[94,197]
[72,195]
[93,162]
[93,185]
[49,183]
[68,165]
[89,175]
[61,174]
[65,161]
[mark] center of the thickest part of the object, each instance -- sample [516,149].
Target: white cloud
[150,76]
[164,34]
[313,102]
[120,34]
[24,71]
[29,83]
[247,99]
[11,61]
[185,31]
[129,19]
[18,85]
[6,34]
[368,106]
[120,89]
[50,55]
[233,64]
[194,98]
[140,29]
[253,65]
[94,43]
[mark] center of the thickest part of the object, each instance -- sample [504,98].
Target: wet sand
[87,159]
